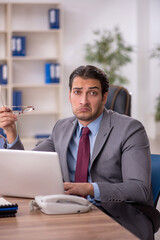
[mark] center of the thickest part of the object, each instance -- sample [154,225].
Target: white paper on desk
[4,202]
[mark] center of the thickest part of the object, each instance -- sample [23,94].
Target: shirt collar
[93,126]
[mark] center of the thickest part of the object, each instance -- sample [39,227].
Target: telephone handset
[61,204]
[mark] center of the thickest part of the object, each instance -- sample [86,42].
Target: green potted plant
[110,52]
[156,54]
[157,114]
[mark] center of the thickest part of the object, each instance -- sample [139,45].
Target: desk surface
[94,225]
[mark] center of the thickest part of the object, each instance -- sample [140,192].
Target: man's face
[86,99]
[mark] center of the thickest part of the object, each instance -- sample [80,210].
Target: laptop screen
[30,173]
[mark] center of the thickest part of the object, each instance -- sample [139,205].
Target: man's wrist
[11,134]
[91,189]
[96,192]
[9,145]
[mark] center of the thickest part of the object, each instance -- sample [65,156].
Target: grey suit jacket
[120,163]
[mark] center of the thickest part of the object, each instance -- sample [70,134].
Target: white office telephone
[61,204]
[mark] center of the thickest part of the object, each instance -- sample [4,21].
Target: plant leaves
[110,51]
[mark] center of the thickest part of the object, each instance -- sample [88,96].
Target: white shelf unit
[27,73]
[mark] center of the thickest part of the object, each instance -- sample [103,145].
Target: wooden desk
[94,225]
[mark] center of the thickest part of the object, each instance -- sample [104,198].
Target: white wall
[138,20]
[154,66]
[81,18]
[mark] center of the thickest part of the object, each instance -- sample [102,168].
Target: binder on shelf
[18,46]
[13,46]
[54,18]
[17,100]
[52,72]
[3,74]
[7,209]
[47,72]
[21,46]
[41,136]
[57,72]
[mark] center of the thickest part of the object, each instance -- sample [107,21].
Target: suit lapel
[104,131]
[65,143]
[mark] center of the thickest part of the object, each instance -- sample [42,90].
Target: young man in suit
[119,167]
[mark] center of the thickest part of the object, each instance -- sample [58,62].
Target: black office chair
[119,100]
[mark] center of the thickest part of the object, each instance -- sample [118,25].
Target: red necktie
[81,174]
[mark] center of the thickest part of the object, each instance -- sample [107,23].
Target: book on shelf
[18,46]
[54,18]
[38,136]
[17,100]
[3,73]
[7,209]
[52,72]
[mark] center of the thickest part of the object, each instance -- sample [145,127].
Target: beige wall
[139,23]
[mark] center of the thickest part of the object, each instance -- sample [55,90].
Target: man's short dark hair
[93,72]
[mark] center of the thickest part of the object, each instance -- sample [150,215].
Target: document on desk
[7,209]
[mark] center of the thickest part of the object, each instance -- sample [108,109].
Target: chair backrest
[155,176]
[119,100]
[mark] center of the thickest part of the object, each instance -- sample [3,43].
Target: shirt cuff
[96,192]
[9,145]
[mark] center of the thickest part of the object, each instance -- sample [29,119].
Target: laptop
[28,174]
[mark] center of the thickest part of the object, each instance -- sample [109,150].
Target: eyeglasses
[17,109]
[21,109]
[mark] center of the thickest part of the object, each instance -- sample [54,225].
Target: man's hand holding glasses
[7,122]
[8,117]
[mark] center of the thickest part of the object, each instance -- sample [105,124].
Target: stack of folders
[3,73]
[17,100]
[18,46]
[52,73]
[54,17]
[7,209]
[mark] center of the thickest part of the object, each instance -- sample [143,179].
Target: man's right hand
[7,122]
